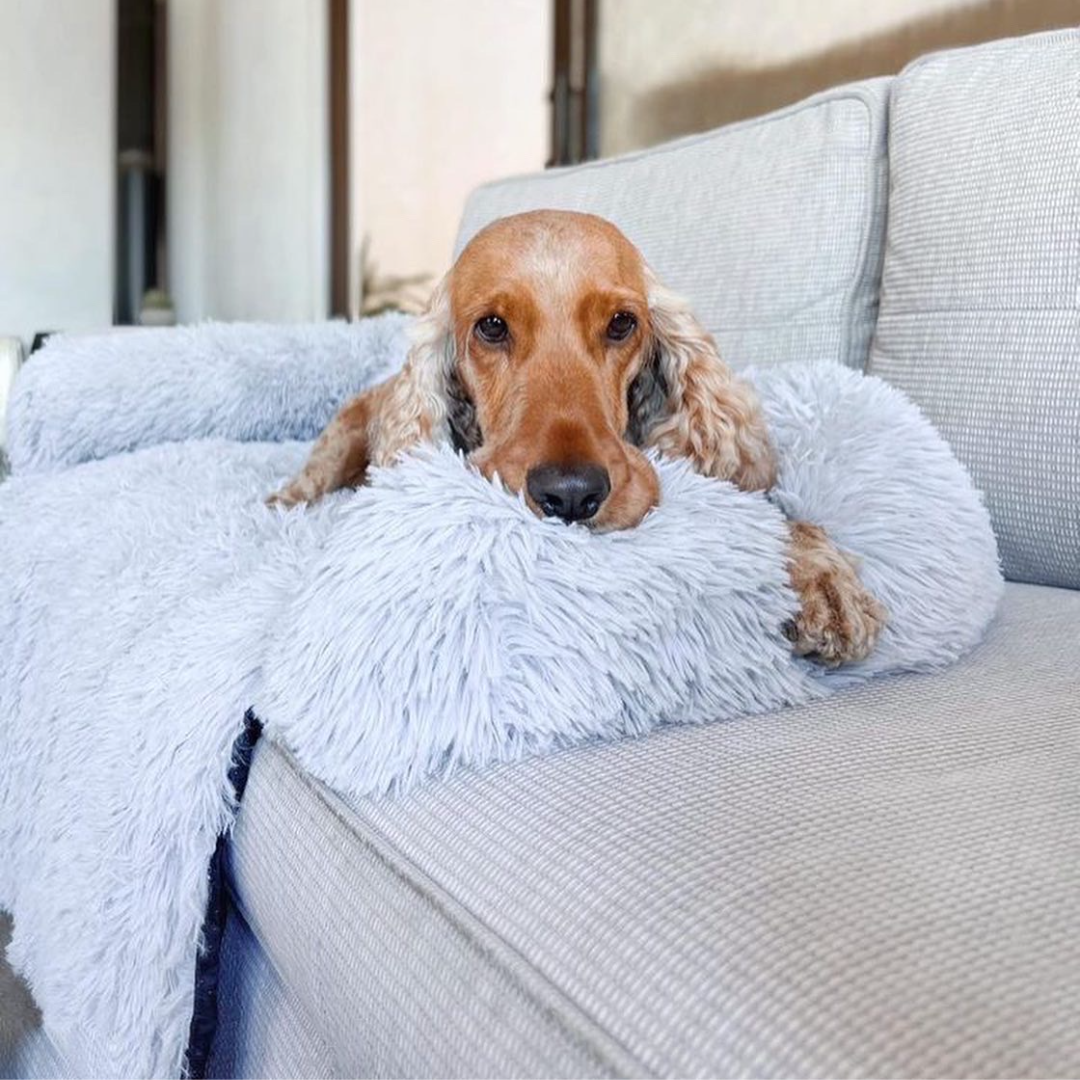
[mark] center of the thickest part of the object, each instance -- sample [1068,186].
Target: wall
[57,172]
[445,94]
[670,69]
[248,160]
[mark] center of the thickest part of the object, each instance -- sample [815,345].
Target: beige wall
[248,171]
[689,65]
[445,94]
[57,164]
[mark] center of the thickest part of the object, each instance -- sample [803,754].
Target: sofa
[11,352]
[883,883]
[886,882]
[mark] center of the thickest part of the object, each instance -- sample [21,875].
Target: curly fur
[416,407]
[709,416]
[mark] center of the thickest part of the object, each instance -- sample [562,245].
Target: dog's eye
[492,329]
[622,325]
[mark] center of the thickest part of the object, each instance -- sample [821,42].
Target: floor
[18,1014]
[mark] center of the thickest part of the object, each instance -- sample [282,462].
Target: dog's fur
[562,390]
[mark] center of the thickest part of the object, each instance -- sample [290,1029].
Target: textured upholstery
[883,883]
[772,227]
[399,979]
[262,1031]
[980,310]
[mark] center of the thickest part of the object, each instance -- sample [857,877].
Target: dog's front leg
[340,456]
[839,619]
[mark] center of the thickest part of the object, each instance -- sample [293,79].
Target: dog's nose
[573,493]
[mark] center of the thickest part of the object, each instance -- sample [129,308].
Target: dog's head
[551,353]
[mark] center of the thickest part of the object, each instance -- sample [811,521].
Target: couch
[11,352]
[883,883]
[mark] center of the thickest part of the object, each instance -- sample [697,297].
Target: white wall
[670,68]
[57,172]
[248,171]
[445,94]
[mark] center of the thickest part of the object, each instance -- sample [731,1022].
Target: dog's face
[550,319]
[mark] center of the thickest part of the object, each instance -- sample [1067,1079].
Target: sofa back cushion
[980,309]
[772,228]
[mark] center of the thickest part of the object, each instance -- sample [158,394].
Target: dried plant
[390,292]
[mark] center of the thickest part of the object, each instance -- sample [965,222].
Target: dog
[553,356]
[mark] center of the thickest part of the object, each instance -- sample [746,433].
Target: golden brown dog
[552,355]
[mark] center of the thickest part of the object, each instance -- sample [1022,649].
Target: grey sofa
[884,883]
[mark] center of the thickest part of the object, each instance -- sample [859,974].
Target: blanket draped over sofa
[428,622]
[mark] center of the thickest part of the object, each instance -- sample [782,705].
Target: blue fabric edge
[204,1011]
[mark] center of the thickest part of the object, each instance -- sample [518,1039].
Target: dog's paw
[838,624]
[286,498]
[839,620]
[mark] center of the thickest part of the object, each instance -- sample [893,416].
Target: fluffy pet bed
[425,623]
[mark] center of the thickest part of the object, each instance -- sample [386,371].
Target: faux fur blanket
[425,623]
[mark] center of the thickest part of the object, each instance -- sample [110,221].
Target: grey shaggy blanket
[425,623]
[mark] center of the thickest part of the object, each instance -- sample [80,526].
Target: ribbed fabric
[884,883]
[397,977]
[263,1031]
[980,310]
[772,228]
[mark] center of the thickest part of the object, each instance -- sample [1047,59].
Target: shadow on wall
[719,96]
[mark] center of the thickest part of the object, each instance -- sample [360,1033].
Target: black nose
[571,492]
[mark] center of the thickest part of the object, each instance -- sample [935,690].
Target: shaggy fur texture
[84,397]
[575,359]
[426,622]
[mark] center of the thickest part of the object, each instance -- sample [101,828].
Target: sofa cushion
[772,228]
[884,883]
[980,309]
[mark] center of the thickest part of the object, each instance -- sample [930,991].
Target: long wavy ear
[427,401]
[415,407]
[688,403]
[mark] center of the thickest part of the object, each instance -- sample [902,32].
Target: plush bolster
[85,397]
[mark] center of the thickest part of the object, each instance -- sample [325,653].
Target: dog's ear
[686,401]
[427,402]
[416,406]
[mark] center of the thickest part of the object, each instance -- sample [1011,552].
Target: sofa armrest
[11,355]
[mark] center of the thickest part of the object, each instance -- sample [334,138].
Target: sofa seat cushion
[884,883]
[772,228]
[980,306]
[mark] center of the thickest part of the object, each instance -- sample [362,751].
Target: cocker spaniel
[552,355]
